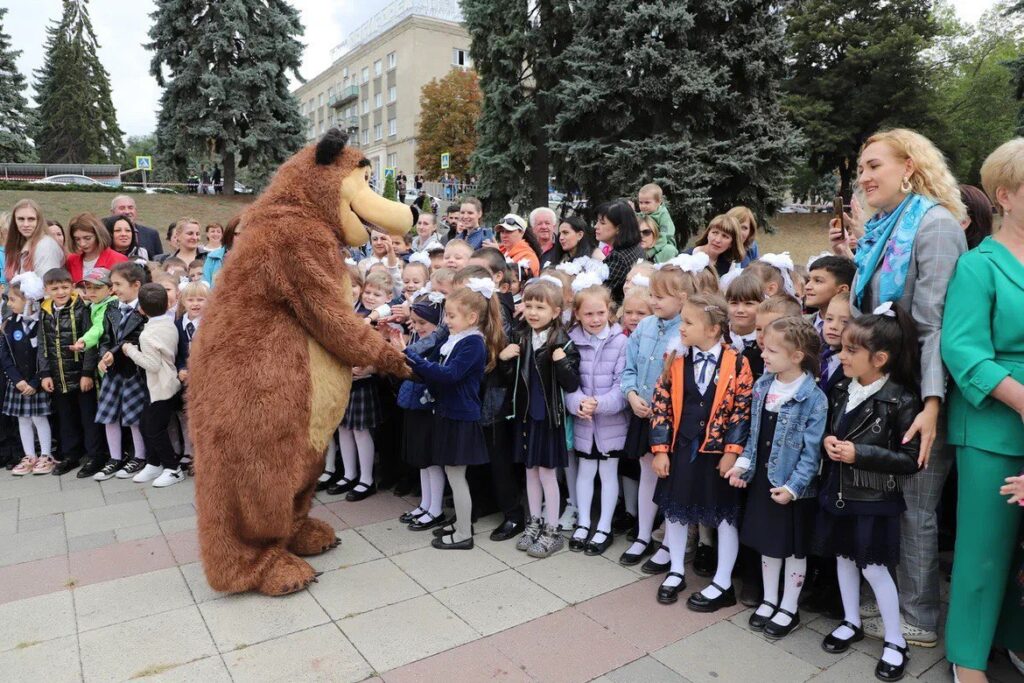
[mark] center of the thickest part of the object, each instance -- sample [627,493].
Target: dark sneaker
[128,471]
[109,470]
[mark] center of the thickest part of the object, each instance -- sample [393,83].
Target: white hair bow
[350,261]
[572,268]
[726,280]
[524,264]
[688,263]
[422,291]
[436,297]
[421,258]
[592,265]
[182,281]
[639,280]
[586,280]
[552,279]
[885,308]
[784,264]
[481,285]
[30,284]
[818,256]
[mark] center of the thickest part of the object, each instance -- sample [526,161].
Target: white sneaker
[148,474]
[569,517]
[169,478]
[915,635]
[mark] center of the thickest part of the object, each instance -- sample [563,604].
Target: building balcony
[344,96]
[350,123]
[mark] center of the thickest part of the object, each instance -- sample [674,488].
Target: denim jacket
[796,449]
[645,355]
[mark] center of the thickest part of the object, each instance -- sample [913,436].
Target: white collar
[715,350]
[133,304]
[540,338]
[602,335]
[186,320]
[446,348]
[858,393]
[739,339]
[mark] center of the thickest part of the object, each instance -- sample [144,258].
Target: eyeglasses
[646,233]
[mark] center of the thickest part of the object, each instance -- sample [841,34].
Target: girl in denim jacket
[780,465]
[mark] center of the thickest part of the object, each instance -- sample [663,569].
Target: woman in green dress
[983,347]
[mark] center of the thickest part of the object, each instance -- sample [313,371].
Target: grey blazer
[939,243]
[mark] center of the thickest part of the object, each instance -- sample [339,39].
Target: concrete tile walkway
[101,582]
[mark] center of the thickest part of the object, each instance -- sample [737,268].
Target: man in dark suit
[149,239]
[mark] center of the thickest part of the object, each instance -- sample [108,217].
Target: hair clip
[421,258]
[712,307]
[585,281]
[814,258]
[481,285]
[552,279]
[885,309]
[182,282]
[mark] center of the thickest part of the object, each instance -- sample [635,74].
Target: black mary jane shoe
[355,495]
[330,481]
[441,544]
[341,486]
[756,621]
[510,528]
[411,516]
[448,529]
[594,548]
[432,523]
[628,559]
[699,603]
[775,631]
[837,646]
[670,594]
[578,544]
[884,671]
[652,567]
[705,561]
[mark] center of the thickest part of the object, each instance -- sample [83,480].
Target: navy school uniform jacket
[184,342]
[18,355]
[113,338]
[455,384]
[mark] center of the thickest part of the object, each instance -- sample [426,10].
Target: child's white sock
[794,580]
[647,510]
[728,549]
[849,591]
[585,473]
[349,453]
[770,568]
[364,443]
[889,606]
[675,534]
[549,482]
[609,470]
[140,445]
[113,431]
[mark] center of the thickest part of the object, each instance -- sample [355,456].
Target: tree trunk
[228,160]
[846,179]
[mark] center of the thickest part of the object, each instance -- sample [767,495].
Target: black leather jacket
[555,376]
[57,331]
[883,462]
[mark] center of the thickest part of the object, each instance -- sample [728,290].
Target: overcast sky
[122,28]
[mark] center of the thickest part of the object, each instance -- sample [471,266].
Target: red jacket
[108,257]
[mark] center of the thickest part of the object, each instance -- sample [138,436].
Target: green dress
[982,344]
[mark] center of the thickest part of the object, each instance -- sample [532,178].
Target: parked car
[67,179]
[242,189]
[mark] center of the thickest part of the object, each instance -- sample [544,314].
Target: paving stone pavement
[101,582]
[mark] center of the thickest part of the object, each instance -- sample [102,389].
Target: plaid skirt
[122,399]
[364,409]
[17,404]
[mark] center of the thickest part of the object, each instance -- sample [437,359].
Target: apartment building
[372,87]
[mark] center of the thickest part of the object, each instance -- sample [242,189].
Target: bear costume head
[269,368]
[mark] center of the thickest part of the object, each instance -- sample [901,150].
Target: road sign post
[144,164]
[446,160]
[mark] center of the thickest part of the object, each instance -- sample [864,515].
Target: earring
[905,186]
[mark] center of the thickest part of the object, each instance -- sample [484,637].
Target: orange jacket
[521,250]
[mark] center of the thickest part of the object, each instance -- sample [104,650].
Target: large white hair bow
[885,308]
[552,279]
[818,256]
[585,280]
[688,263]
[639,280]
[481,285]
[726,280]
[784,264]
[31,285]
[420,257]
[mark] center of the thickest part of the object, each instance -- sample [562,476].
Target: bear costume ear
[330,146]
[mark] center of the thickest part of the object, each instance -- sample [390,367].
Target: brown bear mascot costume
[270,368]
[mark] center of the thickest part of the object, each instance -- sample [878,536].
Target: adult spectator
[649,240]
[426,232]
[470,230]
[92,247]
[218,180]
[451,222]
[519,245]
[149,239]
[214,235]
[617,226]
[401,184]
[982,344]
[907,256]
[56,231]
[575,239]
[722,241]
[382,250]
[978,224]
[124,239]
[418,181]
[544,223]
[215,259]
[29,246]
[186,233]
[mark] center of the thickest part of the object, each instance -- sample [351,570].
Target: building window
[378,132]
[393,159]
[392,60]
[377,68]
[378,101]
[392,127]
[366,137]
[392,94]
[344,73]
[366,74]
[461,58]
[366,106]
[320,100]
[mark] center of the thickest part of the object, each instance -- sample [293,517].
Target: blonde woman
[748,230]
[28,245]
[907,255]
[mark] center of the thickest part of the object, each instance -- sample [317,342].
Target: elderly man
[545,226]
[149,239]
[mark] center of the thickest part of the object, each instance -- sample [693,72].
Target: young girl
[600,414]
[546,365]
[123,394]
[780,464]
[636,306]
[866,465]
[23,397]
[639,276]
[475,337]
[415,276]
[776,274]
[699,426]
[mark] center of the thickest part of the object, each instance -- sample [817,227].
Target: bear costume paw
[314,536]
[285,573]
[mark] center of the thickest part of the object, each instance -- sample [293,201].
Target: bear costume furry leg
[270,368]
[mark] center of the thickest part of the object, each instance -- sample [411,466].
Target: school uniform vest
[696,406]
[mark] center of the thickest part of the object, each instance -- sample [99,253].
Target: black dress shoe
[578,544]
[652,567]
[449,529]
[837,646]
[774,631]
[884,671]
[387,483]
[705,561]
[65,466]
[699,603]
[329,481]
[343,485]
[510,528]
[669,594]
[750,594]
[623,524]
[594,548]
[412,515]
[452,544]
[90,467]
[355,495]
[628,559]
[757,622]
[432,523]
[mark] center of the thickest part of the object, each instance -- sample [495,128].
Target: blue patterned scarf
[889,240]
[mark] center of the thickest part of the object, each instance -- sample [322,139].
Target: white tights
[796,569]
[357,444]
[647,509]
[114,441]
[609,473]
[541,487]
[432,485]
[571,477]
[886,596]
[728,550]
[42,427]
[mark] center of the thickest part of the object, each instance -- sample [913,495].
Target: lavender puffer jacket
[601,364]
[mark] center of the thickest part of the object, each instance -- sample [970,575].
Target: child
[865,468]
[67,374]
[779,465]
[546,365]
[123,391]
[651,204]
[828,276]
[18,356]
[699,426]
[155,353]
[474,324]
[417,431]
[415,276]
[776,274]
[195,270]
[442,280]
[748,233]
[770,310]
[175,267]
[745,295]
[638,276]
[600,414]
[457,254]
[193,298]
[837,316]
[636,306]
[436,253]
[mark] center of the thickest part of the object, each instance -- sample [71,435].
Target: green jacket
[666,228]
[981,331]
[92,337]
[661,252]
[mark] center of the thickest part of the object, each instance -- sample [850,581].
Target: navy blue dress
[537,442]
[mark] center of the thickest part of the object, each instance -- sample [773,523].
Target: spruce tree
[224,66]
[15,117]
[1016,67]
[76,117]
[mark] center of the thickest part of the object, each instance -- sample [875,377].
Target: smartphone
[837,213]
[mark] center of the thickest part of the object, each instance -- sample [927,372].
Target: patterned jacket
[729,425]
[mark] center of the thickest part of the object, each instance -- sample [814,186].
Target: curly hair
[931,177]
